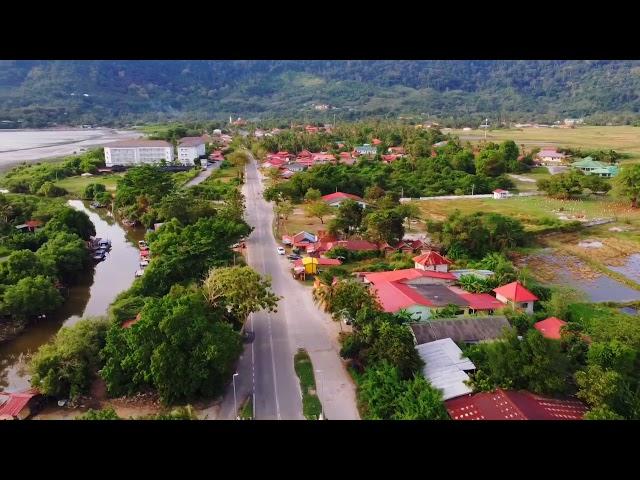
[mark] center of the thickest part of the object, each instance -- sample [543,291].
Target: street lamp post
[321,405]
[235,405]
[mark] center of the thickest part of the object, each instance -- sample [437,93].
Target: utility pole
[472,187]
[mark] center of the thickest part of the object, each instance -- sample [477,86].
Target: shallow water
[631,269]
[599,289]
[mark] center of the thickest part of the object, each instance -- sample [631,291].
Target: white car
[281,251]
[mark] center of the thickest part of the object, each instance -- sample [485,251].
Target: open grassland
[623,139]
[298,221]
[76,185]
[532,211]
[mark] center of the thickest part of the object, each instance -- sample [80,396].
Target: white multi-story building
[137,152]
[190,149]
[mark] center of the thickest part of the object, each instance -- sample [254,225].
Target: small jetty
[145,257]
[99,247]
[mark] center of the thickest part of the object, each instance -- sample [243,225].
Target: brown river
[90,297]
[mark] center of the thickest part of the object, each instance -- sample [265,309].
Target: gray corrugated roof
[445,367]
[460,329]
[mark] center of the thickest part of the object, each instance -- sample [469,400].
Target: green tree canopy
[31,296]
[180,347]
[240,291]
[66,367]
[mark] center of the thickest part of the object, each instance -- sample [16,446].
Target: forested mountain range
[113,92]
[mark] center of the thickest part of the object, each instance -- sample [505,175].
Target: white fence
[459,197]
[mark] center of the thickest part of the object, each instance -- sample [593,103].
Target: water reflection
[91,296]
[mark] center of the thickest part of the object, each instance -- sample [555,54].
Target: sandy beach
[18,146]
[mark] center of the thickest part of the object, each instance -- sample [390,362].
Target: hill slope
[119,92]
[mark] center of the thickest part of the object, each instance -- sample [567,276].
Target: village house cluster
[288,164]
[423,292]
[550,157]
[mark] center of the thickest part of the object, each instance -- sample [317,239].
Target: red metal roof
[395,296]
[323,156]
[339,195]
[405,274]
[550,327]
[431,258]
[350,245]
[321,261]
[376,141]
[499,190]
[130,323]
[515,292]
[33,223]
[11,404]
[513,405]
[481,301]
[389,158]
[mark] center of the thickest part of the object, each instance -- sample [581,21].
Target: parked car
[293,256]
[281,251]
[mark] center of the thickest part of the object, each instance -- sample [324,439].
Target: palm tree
[323,293]
[6,212]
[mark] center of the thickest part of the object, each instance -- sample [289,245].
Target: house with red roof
[322,247]
[311,129]
[432,260]
[421,292]
[513,405]
[347,158]
[389,158]
[300,239]
[397,150]
[550,327]
[376,141]
[20,405]
[516,295]
[550,156]
[404,246]
[336,199]
[322,157]
[132,322]
[30,226]
[499,193]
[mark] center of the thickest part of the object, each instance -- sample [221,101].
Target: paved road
[266,366]
[203,175]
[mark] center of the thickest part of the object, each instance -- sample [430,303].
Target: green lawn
[76,185]
[311,406]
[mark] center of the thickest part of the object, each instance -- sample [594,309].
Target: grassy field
[531,210]
[76,185]
[298,221]
[311,407]
[623,139]
[225,175]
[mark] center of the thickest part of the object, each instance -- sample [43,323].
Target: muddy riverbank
[90,297]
